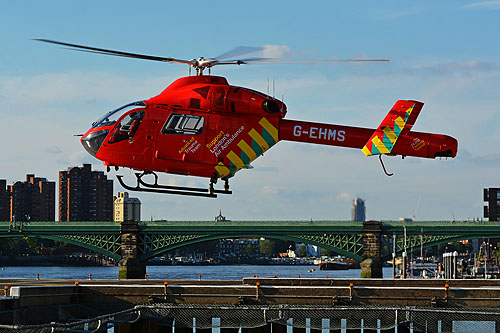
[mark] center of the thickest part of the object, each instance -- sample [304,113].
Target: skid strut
[143,186]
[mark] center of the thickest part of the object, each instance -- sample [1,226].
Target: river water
[216,272]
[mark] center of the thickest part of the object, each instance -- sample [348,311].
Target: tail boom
[418,144]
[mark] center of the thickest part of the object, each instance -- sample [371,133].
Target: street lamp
[484,245]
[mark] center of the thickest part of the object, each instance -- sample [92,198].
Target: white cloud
[344,196]
[490,5]
[275,51]
[75,88]
[470,67]
[269,191]
[53,150]
[80,157]
[397,14]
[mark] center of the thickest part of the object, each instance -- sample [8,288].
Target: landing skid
[142,186]
[383,166]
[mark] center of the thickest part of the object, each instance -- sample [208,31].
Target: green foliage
[267,246]
[13,246]
[283,246]
[208,247]
[454,246]
[301,251]
[249,249]
[28,245]
[32,245]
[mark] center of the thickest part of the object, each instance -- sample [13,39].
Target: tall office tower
[492,197]
[85,195]
[4,201]
[127,209]
[358,210]
[32,200]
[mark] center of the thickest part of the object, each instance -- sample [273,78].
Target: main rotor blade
[115,53]
[250,61]
[201,63]
[259,61]
[240,61]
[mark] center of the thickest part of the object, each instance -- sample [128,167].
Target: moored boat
[333,265]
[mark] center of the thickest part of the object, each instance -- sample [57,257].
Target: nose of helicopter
[93,141]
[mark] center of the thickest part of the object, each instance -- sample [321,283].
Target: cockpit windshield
[112,116]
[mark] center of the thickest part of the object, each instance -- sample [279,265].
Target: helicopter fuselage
[202,126]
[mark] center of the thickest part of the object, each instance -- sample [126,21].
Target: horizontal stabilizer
[399,120]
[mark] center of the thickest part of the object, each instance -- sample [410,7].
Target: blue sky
[446,54]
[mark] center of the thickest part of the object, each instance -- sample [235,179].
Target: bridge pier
[130,267]
[371,266]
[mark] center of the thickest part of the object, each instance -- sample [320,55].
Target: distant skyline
[445,54]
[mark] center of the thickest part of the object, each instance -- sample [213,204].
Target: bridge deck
[388,227]
[342,237]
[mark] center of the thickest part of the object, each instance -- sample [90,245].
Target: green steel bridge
[344,238]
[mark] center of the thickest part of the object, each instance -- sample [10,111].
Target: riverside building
[492,197]
[126,209]
[4,201]
[32,200]
[85,195]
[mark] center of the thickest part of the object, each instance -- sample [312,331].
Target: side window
[178,123]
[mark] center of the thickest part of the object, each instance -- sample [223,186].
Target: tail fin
[399,120]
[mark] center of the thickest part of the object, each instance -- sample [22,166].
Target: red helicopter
[202,126]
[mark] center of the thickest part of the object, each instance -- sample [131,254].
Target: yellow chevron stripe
[409,110]
[236,160]
[259,139]
[222,170]
[247,150]
[366,151]
[380,145]
[270,128]
[400,122]
[390,134]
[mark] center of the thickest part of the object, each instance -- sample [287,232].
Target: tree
[32,245]
[302,251]
[13,246]
[249,250]
[267,247]
[283,245]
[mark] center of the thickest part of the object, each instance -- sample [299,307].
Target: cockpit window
[179,123]
[112,116]
[127,127]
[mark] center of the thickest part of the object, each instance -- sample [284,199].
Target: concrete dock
[313,303]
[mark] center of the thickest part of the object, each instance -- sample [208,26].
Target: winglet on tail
[399,120]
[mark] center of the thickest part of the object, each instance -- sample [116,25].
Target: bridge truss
[344,238]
